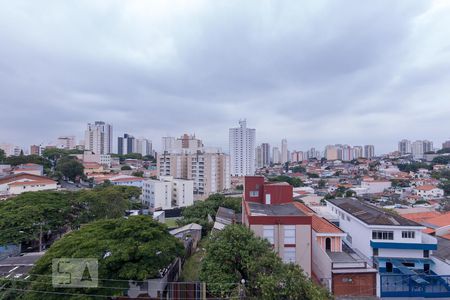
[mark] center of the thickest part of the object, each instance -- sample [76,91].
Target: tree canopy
[70,168]
[294,181]
[198,213]
[134,248]
[22,216]
[2,155]
[25,159]
[235,253]
[413,167]
[442,160]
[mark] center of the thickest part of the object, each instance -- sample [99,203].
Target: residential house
[19,183]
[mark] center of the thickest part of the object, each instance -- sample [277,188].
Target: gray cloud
[317,73]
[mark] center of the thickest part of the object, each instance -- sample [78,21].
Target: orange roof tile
[442,220]
[319,224]
[426,187]
[421,216]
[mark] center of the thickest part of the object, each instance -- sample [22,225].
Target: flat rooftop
[371,215]
[287,209]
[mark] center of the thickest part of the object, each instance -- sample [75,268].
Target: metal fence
[421,285]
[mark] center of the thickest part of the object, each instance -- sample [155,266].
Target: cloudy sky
[315,72]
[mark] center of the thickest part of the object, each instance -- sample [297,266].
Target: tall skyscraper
[265,148]
[427,146]
[347,153]
[98,137]
[276,155]
[358,152]
[446,145]
[126,144]
[369,151]
[284,151]
[242,150]
[404,147]
[331,152]
[417,149]
[297,156]
[144,146]
[35,150]
[259,157]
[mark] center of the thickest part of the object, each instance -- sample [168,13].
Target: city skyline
[313,90]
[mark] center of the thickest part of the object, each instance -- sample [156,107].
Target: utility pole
[40,237]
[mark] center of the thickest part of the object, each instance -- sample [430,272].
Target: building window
[289,234]
[268,201]
[408,234]
[289,255]
[268,232]
[254,193]
[348,218]
[382,235]
[375,251]
[426,253]
[349,238]
[328,244]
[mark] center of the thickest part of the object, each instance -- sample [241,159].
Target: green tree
[21,217]
[413,167]
[312,175]
[294,181]
[199,212]
[25,159]
[442,160]
[138,173]
[2,155]
[298,169]
[321,184]
[126,168]
[136,248]
[236,253]
[444,150]
[70,168]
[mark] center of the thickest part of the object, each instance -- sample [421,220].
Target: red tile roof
[426,187]
[319,224]
[421,216]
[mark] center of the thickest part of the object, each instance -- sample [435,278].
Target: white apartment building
[259,157]
[210,171]
[66,142]
[276,155]
[10,150]
[98,137]
[396,246]
[167,193]
[144,146]
[358,152]
[404,147]
[284,151]
[187,144]
[242,150]
[265,148]
[429,192]
[103,159]
[375,186]
[369,151]
[417,149]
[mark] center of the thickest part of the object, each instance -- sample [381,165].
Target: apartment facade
[268,210]
[126,144]
[167,193]
[396,246]
[210,172]
[242,150]
[98,137]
